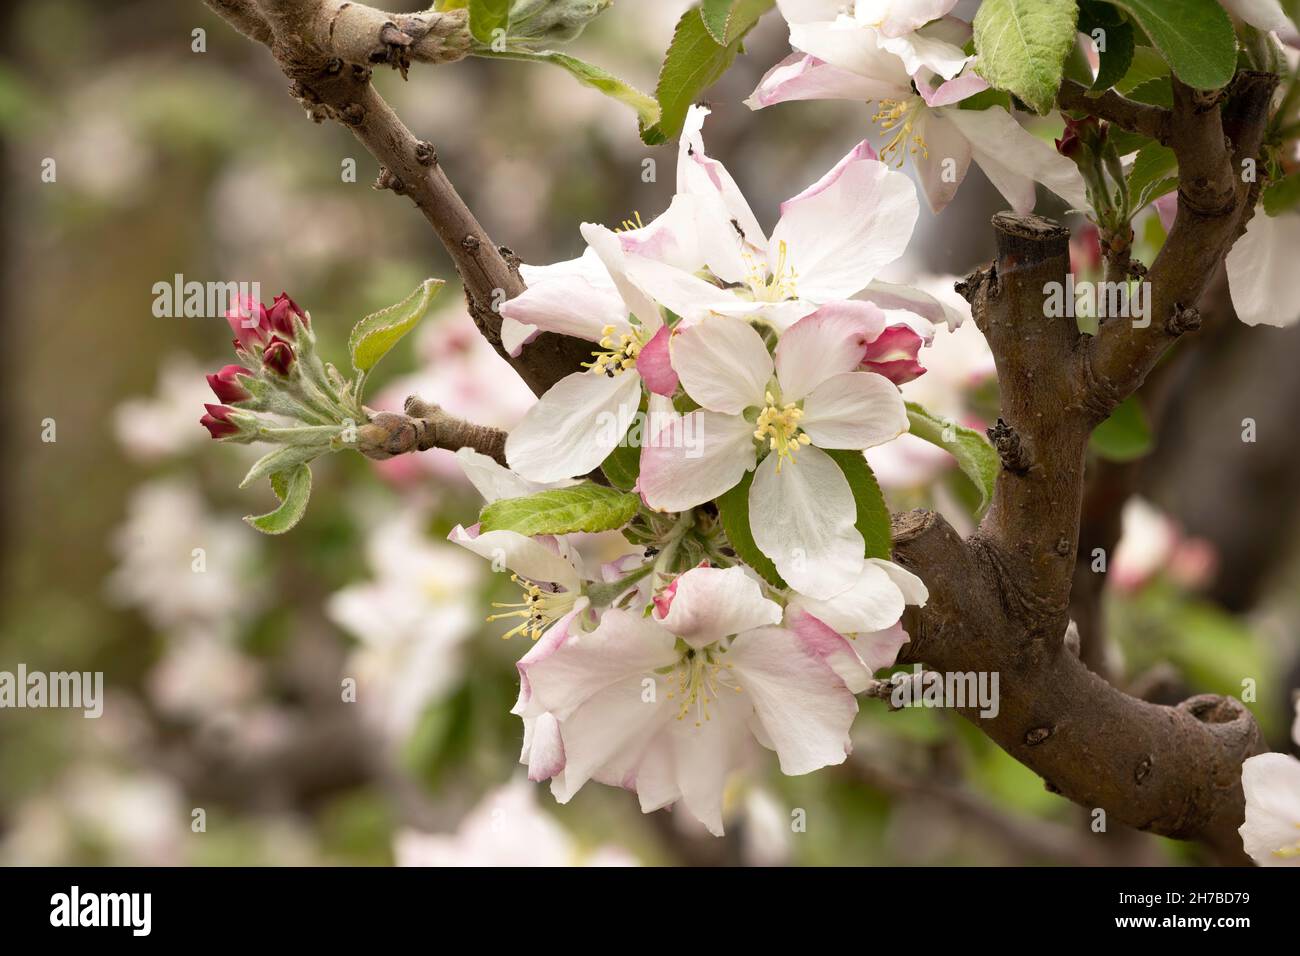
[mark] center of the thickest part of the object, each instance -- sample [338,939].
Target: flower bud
[281,314]
[226,386]
[893,354]
[218,422]
[278,356]
[1087,133]
[249,321]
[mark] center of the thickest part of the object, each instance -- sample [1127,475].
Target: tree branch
[1142,118]
[426,426]
[356,33]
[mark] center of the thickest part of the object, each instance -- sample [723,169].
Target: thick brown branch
[426,426]
[1143,118]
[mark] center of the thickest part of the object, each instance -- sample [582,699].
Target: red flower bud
[217,421]
[248,320]
[893,354]
[281,314]
[1079,133]
[278,356]
[225,384]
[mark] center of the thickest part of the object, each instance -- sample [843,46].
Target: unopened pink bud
[278,356]
[225,384]
[281,314]
[217,421]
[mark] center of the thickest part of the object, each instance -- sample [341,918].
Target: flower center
[778,425]
[767,285]
[900,115]
[618,355]
[539,609]
[700,676]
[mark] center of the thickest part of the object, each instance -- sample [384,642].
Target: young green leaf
[283,459]
[1111,36]
[585,507]
[1154,173]
[486,17]
[1282,195]
[975,456]
[1125,436]
[647,110]
[694,62]
[1194,36]
[293,489]
[733,510]
[873,514]
[1022,45]
[374,335]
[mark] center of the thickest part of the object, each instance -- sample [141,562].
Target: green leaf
[1125,436]
[873,514]
[1154,173]
[714,13]
[374,335]
[284,459]
[1022,45]
[1281,195]
[733,510]
[1157,91]
[694,62]
[623,466]
[293,489]
[647,110]
[584,507]
[1147,65]
[1112,35]
[1194,36]
[486,17]
[975,456]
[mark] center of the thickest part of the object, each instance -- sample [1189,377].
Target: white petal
[527,557]
[694,459]
[494,481]
[803,519]
[846,45]
[946,162]
[543,750]
[921,52]
[1262,273]
[913,588]
[803,706]
[803,77]
[895,18]
[809,11]
[669,238]
[1010,155]
[854,410]
[705,752]
[828,342]
[840,232]
[574,426]
[872,603]
[1266,15]
[1271,783]
[723,364]
[569,306]
[888,295]
[712,603]
[515,335]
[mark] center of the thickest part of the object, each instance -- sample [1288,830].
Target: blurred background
[122,548]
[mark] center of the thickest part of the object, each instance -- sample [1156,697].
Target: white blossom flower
[918,79]
[506,829]
[669,705]
[1271,832]
[811,397]
[1262,277]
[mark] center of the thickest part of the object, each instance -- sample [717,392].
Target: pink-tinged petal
[922,53]
[803,706]
[901,298]
[546,645]
[832,647]
[527,557]
[953,91]
[893,354]
[543,750]
[574,426]
[568,306]
[803,77]
[655,777]
[863,151]
[844,44]
[1266,15]
[1014,159]
[670,238]
[943,166]
[872,602]
[1262,273]
[1166,208]
[838,234]
[655,365]
[896,18]
[723,363]
[855,410]
[831,341]
[706,752]
[803,519]
[694,458]
[712,603]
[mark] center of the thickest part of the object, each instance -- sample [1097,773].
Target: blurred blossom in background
[335,695]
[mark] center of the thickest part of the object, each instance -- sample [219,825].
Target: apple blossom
[810,397]
[669,705]
[919,81]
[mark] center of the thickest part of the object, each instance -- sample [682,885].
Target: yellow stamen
[778,425]
[700,674]
[629,224]
[1289,852]
[768,285]
[539,609]
[900,115]
[619,354]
